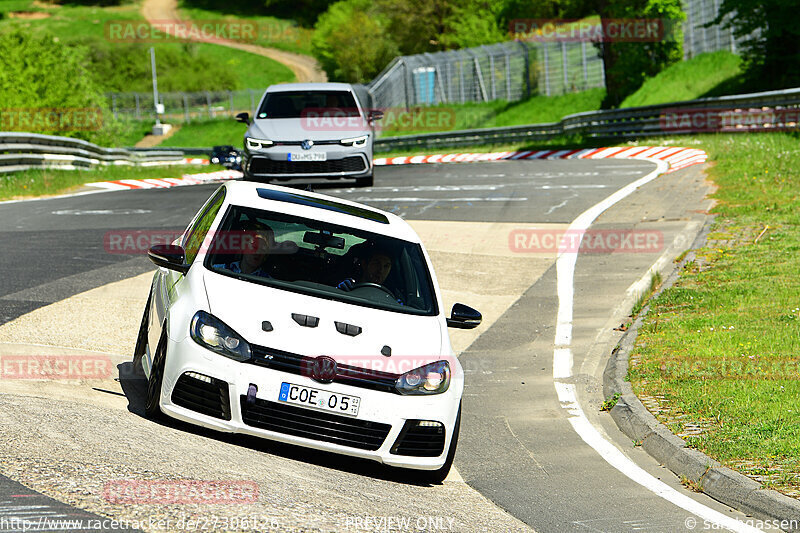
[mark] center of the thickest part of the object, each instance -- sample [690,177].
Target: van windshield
[322,259]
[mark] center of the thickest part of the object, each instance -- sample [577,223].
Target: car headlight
[212,333]
[433,378]
[257,144]
[355,141]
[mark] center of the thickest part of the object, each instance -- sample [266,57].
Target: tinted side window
[196,235]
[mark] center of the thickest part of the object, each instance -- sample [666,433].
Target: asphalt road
[517,446]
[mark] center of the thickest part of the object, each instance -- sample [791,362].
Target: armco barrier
[633,122]
[22,151]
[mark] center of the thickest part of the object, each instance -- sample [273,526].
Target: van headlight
[210,332]
[257,144]
[355,141]
[433,378]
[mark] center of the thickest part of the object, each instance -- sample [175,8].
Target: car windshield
[322,259]
[300,104]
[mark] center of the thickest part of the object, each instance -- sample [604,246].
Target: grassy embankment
[718,357]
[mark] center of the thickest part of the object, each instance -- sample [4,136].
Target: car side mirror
[244,118]
[464,317]
[375,114]
[169,256]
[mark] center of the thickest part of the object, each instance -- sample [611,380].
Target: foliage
[351,43]
[629,64]
[181,67]
[772,39]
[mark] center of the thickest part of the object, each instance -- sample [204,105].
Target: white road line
[367,199]
[567,394]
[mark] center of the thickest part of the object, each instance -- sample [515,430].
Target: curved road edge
[633,419]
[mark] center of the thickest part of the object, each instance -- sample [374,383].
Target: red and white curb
[166,183]
[675,156]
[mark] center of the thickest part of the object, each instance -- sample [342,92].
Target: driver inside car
[376,269]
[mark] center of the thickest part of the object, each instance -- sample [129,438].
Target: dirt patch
[28,15]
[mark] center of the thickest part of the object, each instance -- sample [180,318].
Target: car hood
[299,129]
[415,340]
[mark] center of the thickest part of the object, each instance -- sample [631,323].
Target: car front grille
[310,424]
[350,164]
[345,374]
[205,395]
[419,441]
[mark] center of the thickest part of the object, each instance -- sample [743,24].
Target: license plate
[308,156]
[332,402]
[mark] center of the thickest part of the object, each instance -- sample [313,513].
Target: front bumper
[380,413]
[340,162]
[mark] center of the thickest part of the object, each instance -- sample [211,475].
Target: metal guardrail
[22,151]
[19,151]
[625,123]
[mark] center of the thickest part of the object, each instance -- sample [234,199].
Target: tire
[366,181]
[137,371]
[152,409]
[436,477]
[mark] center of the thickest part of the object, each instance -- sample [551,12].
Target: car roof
[328,209]
[328,86]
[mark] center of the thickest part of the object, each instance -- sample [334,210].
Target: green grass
[709,74]
[47,182]
[272,32]
[207,133]
[535,110]
[722,346]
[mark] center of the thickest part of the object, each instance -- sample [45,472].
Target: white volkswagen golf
[306,319]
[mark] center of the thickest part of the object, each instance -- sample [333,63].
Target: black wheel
[141,341]
[152,409]
[366,181]
[435,477]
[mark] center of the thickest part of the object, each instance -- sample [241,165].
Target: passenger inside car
[253,259]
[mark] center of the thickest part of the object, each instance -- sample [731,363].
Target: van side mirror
[464,317]
[244,118]
[169,256]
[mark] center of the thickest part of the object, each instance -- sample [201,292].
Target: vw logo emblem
[307,144]
[323,369]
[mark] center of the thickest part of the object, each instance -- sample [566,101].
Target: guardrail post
[208,105]
[564,65]
[493,74]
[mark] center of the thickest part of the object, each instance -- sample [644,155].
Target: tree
[351,42]
[771,47]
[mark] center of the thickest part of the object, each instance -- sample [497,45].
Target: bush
[351,43]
